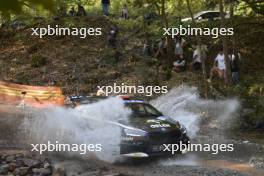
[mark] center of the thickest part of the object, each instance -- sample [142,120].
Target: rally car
[146,131]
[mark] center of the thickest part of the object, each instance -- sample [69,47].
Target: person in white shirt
[179,65]
[199,54]
[219,67]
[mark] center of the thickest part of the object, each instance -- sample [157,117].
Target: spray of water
[185,105]
[86,124]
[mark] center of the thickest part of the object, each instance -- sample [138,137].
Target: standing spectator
[124,12]
[80,10]
[234,57]
[106,5]
[219,67]
[148,47]
[161,48]
[112,36]
[197,59]
[179,43]
[199,54]
[72,11]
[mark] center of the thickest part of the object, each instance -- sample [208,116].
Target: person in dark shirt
[72,11]
[105,6]
[234,58]
[112,36]
[80,10]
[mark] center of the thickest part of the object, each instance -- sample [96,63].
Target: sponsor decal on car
[160,126]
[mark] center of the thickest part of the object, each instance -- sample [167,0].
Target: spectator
[179,43]
[150,17]
[72,12]
[219,67]
[112,36]
[179,65]
[124,12]
[80,10]
[147,47]
[234,57]
[106,5]
[197,59]
[161,49]
[199,54]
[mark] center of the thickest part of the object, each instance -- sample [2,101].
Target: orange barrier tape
[36,96]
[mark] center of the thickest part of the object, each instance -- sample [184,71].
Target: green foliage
[7,8]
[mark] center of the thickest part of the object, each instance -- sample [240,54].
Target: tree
[256,5]
[224,40]
[7,8]
[203,54]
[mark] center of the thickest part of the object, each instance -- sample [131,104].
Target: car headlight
[133,132]
[183,129]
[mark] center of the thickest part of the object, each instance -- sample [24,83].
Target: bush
[38,61]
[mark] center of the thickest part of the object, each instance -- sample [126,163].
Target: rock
[46,165]
[10,158]
[12,167]
[113,174]
[4,169]
[42,171]
[19,155]
[31,162]
[59,172]
[257,162]
[20,163]
[21,171]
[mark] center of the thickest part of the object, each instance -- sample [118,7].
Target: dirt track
[191,164]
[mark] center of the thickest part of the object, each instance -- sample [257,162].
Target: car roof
[93,99]
[207,11]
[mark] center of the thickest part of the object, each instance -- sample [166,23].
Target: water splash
[86,124]
[185,105]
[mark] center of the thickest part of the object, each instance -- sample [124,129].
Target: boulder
[12,167]
[31,162]
[10,158]
[257,162]
[4,169]
[42,171]
[21,171]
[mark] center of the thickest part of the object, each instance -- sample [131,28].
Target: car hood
[153,124]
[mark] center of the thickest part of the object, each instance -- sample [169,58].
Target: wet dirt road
[246,160]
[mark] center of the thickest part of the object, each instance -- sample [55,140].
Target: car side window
[150,110]
[138,108]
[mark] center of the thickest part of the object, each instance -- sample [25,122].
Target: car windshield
[143,110]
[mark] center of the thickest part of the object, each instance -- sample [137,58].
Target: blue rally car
[146,131]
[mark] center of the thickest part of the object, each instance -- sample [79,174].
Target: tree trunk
[231,9]
[203,55]
[224,39]
[169,40]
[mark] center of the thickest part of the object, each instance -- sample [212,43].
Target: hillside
[80,65]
